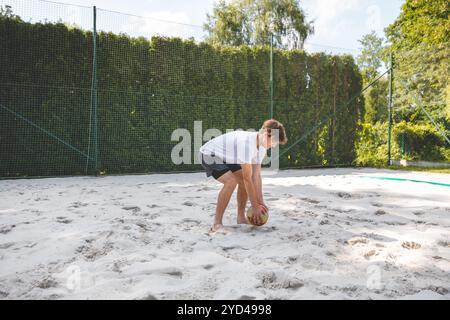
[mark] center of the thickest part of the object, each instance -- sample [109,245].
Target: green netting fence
[422,103]
[420,112]
[92,91]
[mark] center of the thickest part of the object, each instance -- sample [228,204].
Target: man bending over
[234,159]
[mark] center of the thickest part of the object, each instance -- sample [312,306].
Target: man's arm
[257,182]
[247,175]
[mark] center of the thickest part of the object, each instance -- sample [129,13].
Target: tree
[420,22]
[251,22]
[369,62]
[6,12]
[447,109]
[420,41]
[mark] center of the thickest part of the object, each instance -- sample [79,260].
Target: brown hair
[271,124]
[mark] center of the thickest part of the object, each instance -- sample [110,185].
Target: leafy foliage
[420,22]
[149,88]
[251,22]
[420,42]
[370,61]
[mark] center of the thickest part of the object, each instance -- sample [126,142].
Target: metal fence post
[94,97]
[391,70]
[271,76]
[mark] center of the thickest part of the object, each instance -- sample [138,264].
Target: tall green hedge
[148,88]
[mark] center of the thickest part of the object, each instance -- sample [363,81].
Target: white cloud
[339,24]
[331,15]
[373,21]
[81,17]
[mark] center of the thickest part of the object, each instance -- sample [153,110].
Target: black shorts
[217,167]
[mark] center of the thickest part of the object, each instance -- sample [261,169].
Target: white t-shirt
[235,147]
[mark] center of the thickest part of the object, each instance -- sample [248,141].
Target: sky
[339,24]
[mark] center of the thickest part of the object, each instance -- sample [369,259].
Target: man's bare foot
[218,228]
[242,220]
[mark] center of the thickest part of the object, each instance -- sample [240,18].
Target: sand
[332,234]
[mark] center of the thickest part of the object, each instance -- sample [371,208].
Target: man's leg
[241,198]
[229,184]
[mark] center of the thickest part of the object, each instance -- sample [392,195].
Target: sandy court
[332,234]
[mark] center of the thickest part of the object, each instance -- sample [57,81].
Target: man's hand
[257,214]
[265,208]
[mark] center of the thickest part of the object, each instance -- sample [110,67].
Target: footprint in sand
[4,294]
[221,231]
[355,241]
[205,188]
[119,264]
[191,221]
[330,254]
[92,251]
[78,204]
[7,229]
[439,258]
[346,195]
[411,245]
[133,209]
[317,244]
[373,194]
[143,225]
[47,283]
[391,261]
[245,297]
[439,290]
[63,220]
[394,223]
[376,237]
[6,245]
[149,297]
[154,216]
[174,272]
[41,199]
[189,204]
[30,245]
[444,243]
[343,210]
[380,212]
[313,201]
[369,254]
[270,280]
[379,205]
[296,237]
[310,214]
[208,266]
[229,248]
